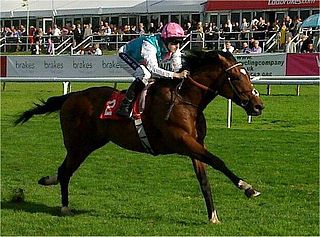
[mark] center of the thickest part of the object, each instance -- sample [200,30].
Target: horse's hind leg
[71,163]
[200,171]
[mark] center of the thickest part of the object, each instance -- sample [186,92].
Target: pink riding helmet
[172,30]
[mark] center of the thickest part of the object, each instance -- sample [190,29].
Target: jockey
[141,58]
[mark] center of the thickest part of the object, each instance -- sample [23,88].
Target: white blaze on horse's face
[255,92]
[243,71]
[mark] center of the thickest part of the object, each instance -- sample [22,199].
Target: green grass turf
[118,192]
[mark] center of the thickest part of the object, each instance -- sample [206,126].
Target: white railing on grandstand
[21,43]
[208,40]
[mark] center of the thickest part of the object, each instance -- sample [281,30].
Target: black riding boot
[132,92]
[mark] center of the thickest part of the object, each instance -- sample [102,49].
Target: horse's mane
[194,59]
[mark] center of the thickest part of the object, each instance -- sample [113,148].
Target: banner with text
[64,66]
[264,64]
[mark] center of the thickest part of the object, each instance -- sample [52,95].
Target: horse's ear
[221,58]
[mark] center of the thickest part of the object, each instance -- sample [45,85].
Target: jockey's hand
[181,75]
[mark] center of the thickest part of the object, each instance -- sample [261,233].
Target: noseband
[233,66]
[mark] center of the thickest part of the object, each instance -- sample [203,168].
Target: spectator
[244,28]
[297,25]
[276,26]
[226,31]
[23,38]
[291,28]
[256,47]
[188,28]
[152,28]
[101,29]
[228,47]
[31,33]
[270,29]
[35,48]
[87,31]
[310,48]
[261,28]
[64,33]
[290,46]
[245,48]
[199,28]
[283,32]
[56,34]
[229,25]
[107,31]
[141,29]
[160,27]
[56,31]
[133,29]
[78,34]
[199,35]
[97,50]
[209,35]
[126,31]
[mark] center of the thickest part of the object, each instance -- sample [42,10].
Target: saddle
[112,104]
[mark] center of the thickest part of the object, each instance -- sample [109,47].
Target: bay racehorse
[173,120]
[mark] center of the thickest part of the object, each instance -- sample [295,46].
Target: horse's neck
[198,95]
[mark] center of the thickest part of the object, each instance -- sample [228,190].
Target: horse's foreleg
[218,164]
[200,153]
[200,171]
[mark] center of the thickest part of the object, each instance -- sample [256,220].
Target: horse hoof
[42,181]
[250,192]
[48,180]
[66,211]
[214,219]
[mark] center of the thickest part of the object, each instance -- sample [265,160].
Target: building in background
[45,13]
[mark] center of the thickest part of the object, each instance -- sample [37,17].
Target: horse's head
[236,85]
[220,73]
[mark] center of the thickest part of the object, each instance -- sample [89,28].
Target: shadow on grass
[153,218]
[33,207]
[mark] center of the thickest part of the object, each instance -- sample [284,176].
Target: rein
[197,84]
[202,87]
[206,88]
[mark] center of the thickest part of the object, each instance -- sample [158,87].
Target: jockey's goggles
[174,40]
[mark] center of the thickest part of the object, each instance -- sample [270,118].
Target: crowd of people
[233,33]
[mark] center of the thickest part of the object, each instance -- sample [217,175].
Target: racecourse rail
[261,80]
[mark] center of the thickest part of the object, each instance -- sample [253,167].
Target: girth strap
[143,137]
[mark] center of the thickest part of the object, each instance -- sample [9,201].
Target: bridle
[243,103]
[206,88]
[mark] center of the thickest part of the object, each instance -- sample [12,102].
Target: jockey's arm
[149,53]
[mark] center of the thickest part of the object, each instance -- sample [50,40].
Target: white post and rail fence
[265,69]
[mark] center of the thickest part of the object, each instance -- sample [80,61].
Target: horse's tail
[53,104]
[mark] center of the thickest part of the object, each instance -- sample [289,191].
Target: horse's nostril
[258,107]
